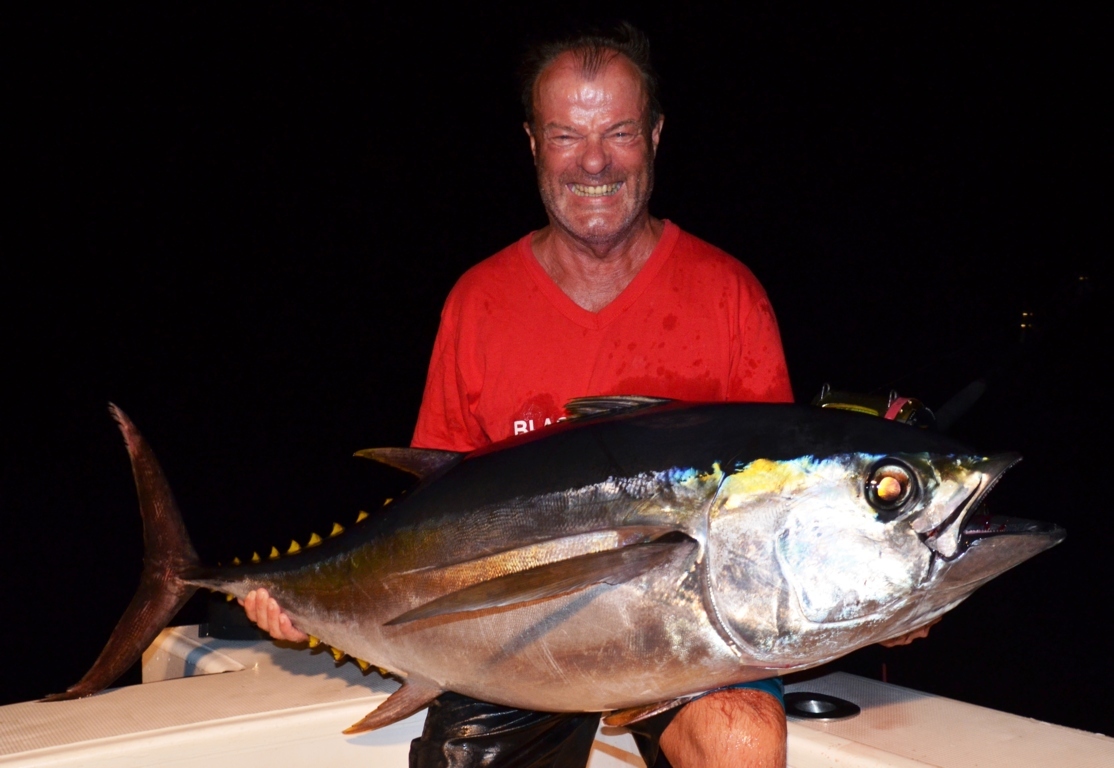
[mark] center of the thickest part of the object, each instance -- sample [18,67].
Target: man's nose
[595,156]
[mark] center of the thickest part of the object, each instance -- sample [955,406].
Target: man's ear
[534,142]
[655,133]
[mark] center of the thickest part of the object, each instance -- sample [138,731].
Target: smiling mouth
[599,190]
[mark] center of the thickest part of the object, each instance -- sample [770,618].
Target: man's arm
[733,728]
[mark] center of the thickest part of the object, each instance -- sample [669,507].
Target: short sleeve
[445,421]
[758,369]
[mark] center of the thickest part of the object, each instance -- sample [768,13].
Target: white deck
[280,707]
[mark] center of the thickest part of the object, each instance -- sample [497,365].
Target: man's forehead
[589,76]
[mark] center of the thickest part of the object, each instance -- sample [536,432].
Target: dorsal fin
[422,462]
[583,407]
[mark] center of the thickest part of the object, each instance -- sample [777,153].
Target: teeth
[599,190]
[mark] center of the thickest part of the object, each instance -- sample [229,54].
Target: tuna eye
[890,488]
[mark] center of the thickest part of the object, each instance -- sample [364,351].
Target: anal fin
[404,702]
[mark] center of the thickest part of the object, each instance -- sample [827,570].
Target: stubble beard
[552,194]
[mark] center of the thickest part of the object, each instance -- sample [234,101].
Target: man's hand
[736,728]
[909,637]
[264,611]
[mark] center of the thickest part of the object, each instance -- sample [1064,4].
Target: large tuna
[649,552]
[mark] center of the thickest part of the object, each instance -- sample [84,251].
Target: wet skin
[593,146]
[594,151]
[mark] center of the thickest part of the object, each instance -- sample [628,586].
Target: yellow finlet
[313,642]
[294,547]
[236,561]
[314,540]
[274,554]
[338,654]
[361,517]
[388,501]
[230,598]
[337,529]
[255,558]
[364,665]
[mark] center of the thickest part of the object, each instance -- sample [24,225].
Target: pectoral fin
[624,717]
[404,702]
[613,566]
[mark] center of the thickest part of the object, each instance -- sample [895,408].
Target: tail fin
[167,553]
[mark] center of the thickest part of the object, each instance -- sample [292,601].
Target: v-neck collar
[596,320]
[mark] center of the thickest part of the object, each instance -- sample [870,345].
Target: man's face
[594,148]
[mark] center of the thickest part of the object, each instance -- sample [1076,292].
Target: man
[606,299]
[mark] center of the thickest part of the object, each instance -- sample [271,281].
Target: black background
[239,221]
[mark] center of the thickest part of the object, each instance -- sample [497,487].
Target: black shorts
[461,732]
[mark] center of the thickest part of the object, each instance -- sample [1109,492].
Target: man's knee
[737,727]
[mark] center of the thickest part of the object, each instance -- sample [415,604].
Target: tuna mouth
[979,524]
[983,525]
[596,190]
[968,522]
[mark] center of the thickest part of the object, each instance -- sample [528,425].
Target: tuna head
[810,558]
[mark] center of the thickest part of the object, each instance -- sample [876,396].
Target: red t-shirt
[512,349]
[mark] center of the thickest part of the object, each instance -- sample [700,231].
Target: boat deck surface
[215,703]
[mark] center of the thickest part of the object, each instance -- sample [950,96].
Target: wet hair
[594,48]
